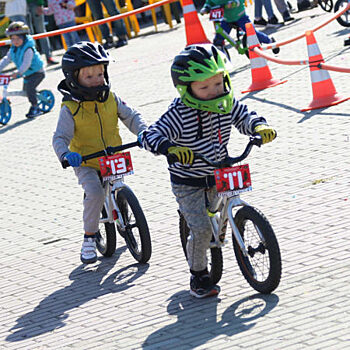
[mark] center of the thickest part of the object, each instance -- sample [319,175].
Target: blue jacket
[17,53]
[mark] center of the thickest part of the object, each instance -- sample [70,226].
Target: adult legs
[37,26]
[118,27]
[71,38]
[97,13]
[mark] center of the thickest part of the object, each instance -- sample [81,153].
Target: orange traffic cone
[324,93]
[261,75]
[194,30]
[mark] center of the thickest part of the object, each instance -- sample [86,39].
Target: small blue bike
[46,100]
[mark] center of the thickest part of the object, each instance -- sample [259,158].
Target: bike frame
[110,188]
[219,220]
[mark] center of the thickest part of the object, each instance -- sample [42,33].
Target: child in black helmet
[29,64]
[88,122]
[200,121]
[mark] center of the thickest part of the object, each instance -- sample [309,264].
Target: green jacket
[232,14]
[38,2]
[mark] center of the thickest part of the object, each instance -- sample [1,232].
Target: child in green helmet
[200,121]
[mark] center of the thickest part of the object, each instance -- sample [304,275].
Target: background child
[200,121]
[88,122]
[62,10]
[28,62]
[234,14]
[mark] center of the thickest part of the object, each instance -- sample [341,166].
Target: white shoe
[88,253]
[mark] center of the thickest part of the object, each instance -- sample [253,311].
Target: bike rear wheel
[46,100]
[344,19]
[216,261]
[106,238]
[326,5]
[262,268]
[136,232]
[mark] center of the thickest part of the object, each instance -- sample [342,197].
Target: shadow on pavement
[198,322]
[7,127]
[51,312]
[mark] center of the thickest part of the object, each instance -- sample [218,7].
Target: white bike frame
[219,220]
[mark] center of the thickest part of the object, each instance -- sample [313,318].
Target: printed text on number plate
[116,165]
[233,180]
[216,14]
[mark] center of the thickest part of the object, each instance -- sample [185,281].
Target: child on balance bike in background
[29,64]
[200,121]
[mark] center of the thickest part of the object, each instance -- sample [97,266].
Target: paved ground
[49,300]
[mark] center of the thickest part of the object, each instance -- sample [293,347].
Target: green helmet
[199,62]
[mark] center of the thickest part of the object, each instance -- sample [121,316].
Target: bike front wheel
[216,261]
[262,267]
[135,232]
[5,111]
[344,19]
[106,238]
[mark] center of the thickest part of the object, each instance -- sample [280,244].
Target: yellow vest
[95,127]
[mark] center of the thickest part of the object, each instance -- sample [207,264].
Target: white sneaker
[88,253]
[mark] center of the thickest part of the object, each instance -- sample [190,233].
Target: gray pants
[192,205]
[36,23]
[94,197]
[30,84]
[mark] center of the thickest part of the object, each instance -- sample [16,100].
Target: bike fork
[235,202]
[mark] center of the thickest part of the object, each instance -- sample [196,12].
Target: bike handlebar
[228,161]
[107,152]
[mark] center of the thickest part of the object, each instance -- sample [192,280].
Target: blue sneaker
[34,111]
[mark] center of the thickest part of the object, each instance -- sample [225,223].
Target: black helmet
[80,55]
[199,62]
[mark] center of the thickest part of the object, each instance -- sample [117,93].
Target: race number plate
[4,80]
[216,14]
[234,180]
[115,166]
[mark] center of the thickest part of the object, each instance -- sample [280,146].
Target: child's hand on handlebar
[74,159]
[267,133]
[184,154]
[203,11]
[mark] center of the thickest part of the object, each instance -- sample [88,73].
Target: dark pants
[117,26]
[29,86]
[226,26]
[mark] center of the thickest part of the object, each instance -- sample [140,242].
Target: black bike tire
[144,254]
[347,13]
[216,263]
[108,248]
[244,44]
[272,281]
[326,5]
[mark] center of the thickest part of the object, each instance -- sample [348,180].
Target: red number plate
[4,80]
[230,181]
[114,166]
[216,14]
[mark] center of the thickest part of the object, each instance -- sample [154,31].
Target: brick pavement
[301,182]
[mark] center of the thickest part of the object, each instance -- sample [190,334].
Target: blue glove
[74,159]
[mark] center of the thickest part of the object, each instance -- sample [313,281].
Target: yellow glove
[183,154]
[266,132]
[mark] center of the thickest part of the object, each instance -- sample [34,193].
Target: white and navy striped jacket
[203,132]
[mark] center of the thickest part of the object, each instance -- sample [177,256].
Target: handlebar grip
[172,158]
[65,164]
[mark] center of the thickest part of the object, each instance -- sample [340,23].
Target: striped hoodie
[203,132]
